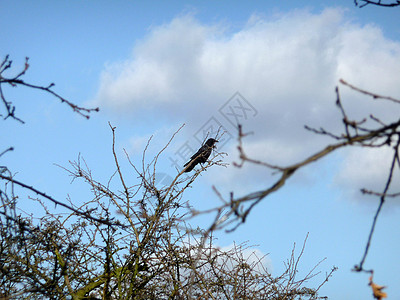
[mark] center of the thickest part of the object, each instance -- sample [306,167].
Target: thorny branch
[156,255]
[155,210]
[85,214]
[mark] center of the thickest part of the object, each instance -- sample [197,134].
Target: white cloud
[367,168]
[137,144]
[286,66]
[163,67]
[251,255]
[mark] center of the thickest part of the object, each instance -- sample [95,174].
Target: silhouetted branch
[17,81]
[377,3]
[56,202]
[368,132]
[5,151]
[10,110]
[155,256]
[383,195]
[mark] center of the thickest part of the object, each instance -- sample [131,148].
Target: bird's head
[210,142]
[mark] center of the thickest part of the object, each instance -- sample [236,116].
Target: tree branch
[56,202]
[17,81]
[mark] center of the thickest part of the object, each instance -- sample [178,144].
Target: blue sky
[153,66]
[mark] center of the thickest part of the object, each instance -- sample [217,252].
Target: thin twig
[373,95]
[56,202]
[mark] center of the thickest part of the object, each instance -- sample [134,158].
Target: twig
[373,95]
[17,81]
[78,212]
[359,267]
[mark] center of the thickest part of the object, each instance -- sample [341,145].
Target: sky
[153,66]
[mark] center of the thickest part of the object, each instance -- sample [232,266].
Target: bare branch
[17,81]
[373,95]
[377,3]
[355,133]
[56,202]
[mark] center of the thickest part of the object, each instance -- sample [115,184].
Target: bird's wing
[199,152]
[193,157]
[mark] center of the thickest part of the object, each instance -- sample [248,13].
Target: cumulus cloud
[286,66]
[367,168]
[251,255]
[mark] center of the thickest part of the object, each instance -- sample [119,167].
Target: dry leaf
[377,290]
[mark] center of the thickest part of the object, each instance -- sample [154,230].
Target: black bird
[201,155]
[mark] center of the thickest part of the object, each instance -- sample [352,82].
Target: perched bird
[201,155]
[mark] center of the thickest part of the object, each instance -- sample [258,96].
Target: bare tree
[151,254]
[132,240]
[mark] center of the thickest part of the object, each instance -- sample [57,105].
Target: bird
[201,155]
